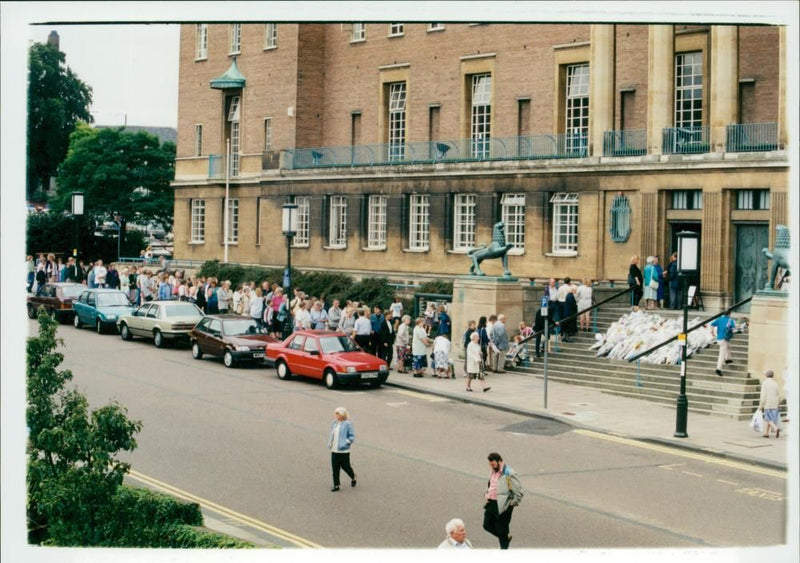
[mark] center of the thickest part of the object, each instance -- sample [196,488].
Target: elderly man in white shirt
[456,535]
[770,402]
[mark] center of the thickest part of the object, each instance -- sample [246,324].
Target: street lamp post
[289,229]
[688,258]
[77,211]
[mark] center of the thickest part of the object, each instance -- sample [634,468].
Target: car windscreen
[72,291]
[239,327]
[182,310]
[112,300]
[334,344]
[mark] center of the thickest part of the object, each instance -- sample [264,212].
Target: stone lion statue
[779,254]
[498,249]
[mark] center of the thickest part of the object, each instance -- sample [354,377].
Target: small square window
[358,33]
[436,26]
[396,29]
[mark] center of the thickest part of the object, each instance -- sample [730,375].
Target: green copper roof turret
[231,79]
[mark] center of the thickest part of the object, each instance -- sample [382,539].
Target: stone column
[723,83]
[660,83]
[650,226]
[714,250]
[601,85]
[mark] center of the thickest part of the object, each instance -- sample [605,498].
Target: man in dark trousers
[386,338]
[503,493]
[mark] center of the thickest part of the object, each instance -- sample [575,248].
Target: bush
[436,286]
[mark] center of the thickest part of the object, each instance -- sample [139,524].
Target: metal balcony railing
[752,137]
[685,140]
[572,145]
[630,142]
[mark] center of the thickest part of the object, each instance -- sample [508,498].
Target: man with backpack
[723,327]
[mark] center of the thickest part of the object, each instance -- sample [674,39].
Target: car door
[80,307]
[311,357]
[149,320]
[200,335]
[136,319]
[91,308]
[214,339]
[294,354]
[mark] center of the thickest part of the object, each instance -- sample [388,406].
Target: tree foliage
[57,100]
[73,474]
[120,173]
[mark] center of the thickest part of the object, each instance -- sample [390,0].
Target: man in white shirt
[456,535]
[100,273]
[363,329]
[770,402]
[561,297]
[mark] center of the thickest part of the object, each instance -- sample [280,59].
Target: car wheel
[76,321]
[99,326]
[158,339]
[31,312]
[283,371]
[228,360]
[331,381]
[125,332]
[197,353]
[375,384]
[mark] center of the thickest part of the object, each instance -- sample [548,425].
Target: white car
[160,320]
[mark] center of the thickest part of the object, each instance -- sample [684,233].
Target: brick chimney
[53,40]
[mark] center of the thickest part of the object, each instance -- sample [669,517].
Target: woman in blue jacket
[339,442]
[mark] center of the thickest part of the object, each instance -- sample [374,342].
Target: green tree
[57,100]
[72,472]
[121,174]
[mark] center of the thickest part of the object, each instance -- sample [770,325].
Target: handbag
[653,283]
[757,422]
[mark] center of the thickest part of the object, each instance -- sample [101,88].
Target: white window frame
[201,42]
[688,94]
[301,238]
[337,226]
[267,134]
[481,116]
[419,223]
[376,222]
[681,200]
[753,200]
[198,222]
[512,213]
[270,36]
[198,139]
[235,45]
[565,224]
[464,206]
[233,220]
[358,33]
[397,120]
[576,126]
[396,30]
[234,116]
[435,26]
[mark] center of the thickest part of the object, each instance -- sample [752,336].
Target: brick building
[403,144]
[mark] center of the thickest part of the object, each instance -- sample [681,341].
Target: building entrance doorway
[750,262]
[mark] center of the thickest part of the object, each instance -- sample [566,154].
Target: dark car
[57,300]
[233,337]
[327,355]
[101,308]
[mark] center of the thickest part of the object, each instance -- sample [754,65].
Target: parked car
[100,308]
[233,337]
[327,355]
[160,320]
[57,300]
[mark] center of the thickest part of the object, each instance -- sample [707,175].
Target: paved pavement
[591,409]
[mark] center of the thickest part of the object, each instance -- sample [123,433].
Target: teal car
[100,308]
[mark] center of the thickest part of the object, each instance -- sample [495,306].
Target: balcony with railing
[752,137]
[533,147]
[686,140]
[630,142]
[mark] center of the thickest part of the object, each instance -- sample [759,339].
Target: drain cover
[538,427]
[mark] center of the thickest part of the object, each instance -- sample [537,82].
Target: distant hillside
[163,133]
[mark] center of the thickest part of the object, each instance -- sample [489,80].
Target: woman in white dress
[441,356]
[584,296]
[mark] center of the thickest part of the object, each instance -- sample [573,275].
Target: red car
[327,355]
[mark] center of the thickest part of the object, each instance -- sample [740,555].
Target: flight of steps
[734,394]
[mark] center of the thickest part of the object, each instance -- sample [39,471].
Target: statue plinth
[768,335]
[479,296]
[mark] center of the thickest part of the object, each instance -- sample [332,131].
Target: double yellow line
[227,512]
[683,453]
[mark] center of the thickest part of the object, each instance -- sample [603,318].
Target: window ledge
[336,247]
[270,48]
[357,41]
[516,252]
[300,245]
[416,250]
[198,59]
[435,29]
[562,254]
[230,243]
[373,248]
[197,242]
[236,54]
[395,35]
[458,251]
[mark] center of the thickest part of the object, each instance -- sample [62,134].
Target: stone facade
[319,88]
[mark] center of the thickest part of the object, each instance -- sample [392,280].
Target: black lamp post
[289,228]
[77,212]
[688,259]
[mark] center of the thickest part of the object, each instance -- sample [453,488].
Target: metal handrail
[695,327]
[579,313]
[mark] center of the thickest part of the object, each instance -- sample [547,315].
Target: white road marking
[670,466]
[422,396]
[728,482]
[401,404]
[692,474]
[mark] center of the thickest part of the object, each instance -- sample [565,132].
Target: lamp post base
[681,417]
